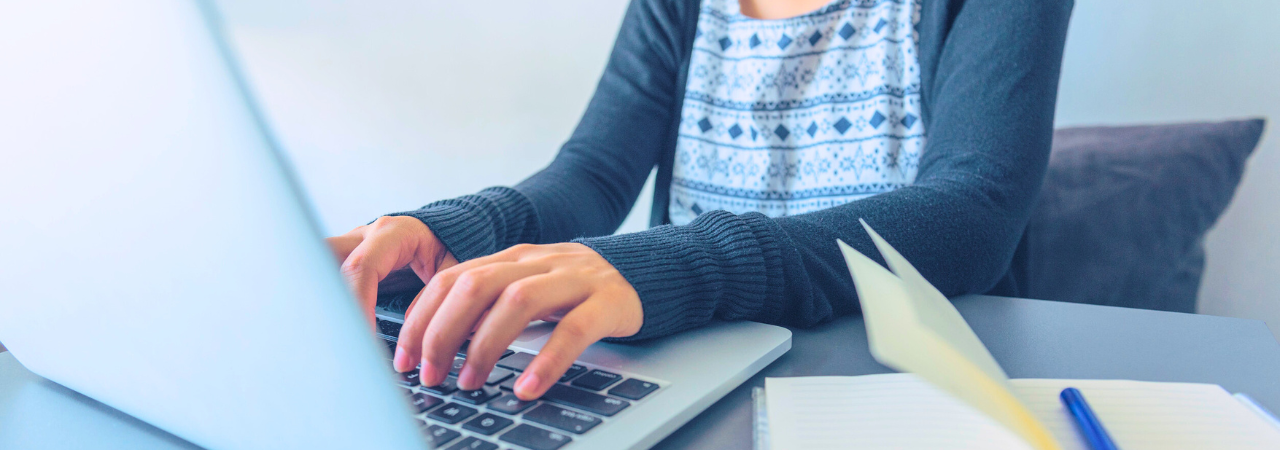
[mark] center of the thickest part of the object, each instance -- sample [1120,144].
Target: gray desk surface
[1030,338]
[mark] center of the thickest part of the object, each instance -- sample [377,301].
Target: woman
[775,125]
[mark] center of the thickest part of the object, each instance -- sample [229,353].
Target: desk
[1030,338]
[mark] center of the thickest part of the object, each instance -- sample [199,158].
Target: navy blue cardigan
[989,83]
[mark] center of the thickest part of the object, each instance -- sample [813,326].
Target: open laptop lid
[157,256]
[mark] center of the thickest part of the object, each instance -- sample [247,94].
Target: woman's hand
[369,253]
[498,295]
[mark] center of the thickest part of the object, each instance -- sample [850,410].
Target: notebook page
[888,411]
[912,327]
[1144,415]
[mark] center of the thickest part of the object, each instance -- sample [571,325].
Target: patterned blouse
[796,115]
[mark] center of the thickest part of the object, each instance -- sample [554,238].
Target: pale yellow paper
[912,327]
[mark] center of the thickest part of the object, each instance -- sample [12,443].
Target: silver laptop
[158,256]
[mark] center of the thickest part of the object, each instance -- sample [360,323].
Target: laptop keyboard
[586,398]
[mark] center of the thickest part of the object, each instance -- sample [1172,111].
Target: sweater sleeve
[990,124]
[594,180]
[480,224]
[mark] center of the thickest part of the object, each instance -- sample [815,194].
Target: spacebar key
[587,401]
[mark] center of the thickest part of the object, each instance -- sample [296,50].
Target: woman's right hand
[370,252]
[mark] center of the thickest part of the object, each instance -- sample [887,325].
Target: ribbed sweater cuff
[721,266]
[481,224]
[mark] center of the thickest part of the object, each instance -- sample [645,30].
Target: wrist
[721,266]
[481,224]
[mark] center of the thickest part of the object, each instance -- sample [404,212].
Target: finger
[476,327]
[401,361]
[581,327]
[472,293]
[426,268]
[343,245]
[424,307]
[376,256]
[520,303]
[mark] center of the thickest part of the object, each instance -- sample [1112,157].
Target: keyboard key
[518,361]
[437,436]
[564,419]
[487,424]
[389,328]
[535,438]
[422,402]
[510,404]
[510,383]
[452,413]
[573,371]
[449,385]
[409,378]
[633,389]
[457,366]
[587,401]
[474,443]
[462,351]
[596,380]
[497,375]
[478,396]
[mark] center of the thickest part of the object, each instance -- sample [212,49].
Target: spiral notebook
[953,395]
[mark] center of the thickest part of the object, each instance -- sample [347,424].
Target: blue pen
[1088,423]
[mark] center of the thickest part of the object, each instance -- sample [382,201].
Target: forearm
[961,243]
[721,266]
[789,271]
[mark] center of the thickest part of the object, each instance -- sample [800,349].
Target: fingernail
[528,383]
[468,379]
[429,372]
[402,360]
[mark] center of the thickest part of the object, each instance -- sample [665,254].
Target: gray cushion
[1124,210]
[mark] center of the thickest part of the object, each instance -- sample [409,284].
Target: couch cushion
[1124,210]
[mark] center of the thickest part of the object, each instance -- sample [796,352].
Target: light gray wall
[388,104]
[1177,60]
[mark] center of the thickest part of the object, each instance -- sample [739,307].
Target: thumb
[431,257]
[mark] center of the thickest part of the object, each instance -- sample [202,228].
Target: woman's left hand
[497,296]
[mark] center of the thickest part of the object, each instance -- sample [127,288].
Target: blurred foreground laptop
[159,257]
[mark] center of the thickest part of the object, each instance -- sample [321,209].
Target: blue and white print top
[795,115]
